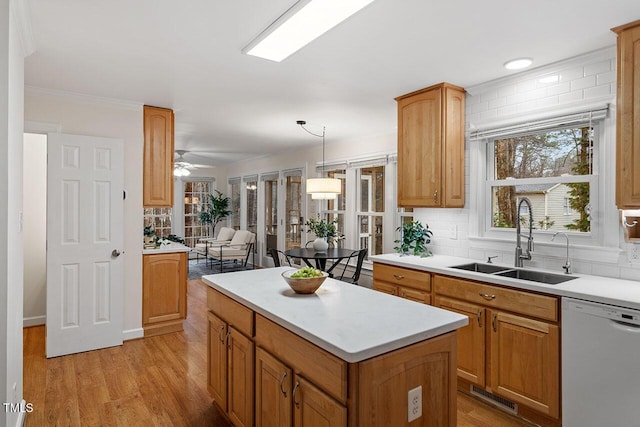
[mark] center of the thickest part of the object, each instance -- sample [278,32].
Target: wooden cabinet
[431,147]
[403,282]
[157,183]
[230,356]
[280,393]
[628,117]
[511,346]
[164,292]
[297,383]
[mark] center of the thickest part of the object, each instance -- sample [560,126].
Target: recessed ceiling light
[302,23]
[517,64]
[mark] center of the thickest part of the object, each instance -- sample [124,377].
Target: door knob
[115,253]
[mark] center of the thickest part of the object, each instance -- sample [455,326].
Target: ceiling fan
[180,165]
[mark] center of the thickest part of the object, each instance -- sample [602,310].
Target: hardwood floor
[156,381]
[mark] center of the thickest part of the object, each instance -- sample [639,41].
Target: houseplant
[325,231]
[215,211]
[414,239]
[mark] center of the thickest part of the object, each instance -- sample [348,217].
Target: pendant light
[321,188]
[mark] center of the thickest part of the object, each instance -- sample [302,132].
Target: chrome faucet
[519,256]
[567,264]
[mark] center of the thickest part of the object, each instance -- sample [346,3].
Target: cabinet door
[471,339]
[312,407]
[525,362]
[158,157]
[164,289]
[419,149]
[453,151]
[217,357]
[628,117]
[273,391]
[385,287]
[415,295]
[240,377]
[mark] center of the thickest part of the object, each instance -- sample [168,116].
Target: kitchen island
[346,355]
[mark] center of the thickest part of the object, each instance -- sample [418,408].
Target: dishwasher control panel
[619,314]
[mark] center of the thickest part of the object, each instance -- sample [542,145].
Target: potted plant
[325,232]
[414,239]
[216,211]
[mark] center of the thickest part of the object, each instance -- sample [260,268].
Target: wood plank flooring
[156,381]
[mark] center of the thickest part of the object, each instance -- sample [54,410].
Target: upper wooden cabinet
[628,117]
[431,147]
[158,157]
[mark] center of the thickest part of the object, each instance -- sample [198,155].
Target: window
[159,219]
[251,188]
[195,201]
[553,169]
[234,190]
[360,209]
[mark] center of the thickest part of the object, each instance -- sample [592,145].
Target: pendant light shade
[321,188]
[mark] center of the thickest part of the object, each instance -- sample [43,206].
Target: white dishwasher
[600,365]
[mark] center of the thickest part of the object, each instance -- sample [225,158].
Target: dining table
[320,258]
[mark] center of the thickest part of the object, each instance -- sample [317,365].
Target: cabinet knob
[403,294]
[480,318]
[220,334]
[435,196]
[398,276]
[493,323]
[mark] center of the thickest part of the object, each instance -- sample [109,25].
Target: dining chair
[353,279]
[279,257]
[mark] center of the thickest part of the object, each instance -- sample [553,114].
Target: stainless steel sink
[481,268]
[536,276]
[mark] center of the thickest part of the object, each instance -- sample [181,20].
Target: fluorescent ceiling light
[303,22]
[517,64]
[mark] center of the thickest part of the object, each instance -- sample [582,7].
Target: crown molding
[22,17]
[80,97]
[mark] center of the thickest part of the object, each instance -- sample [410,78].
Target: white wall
[98,117]
[12,52]
[34,220]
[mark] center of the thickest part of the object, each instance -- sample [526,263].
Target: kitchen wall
[83,115]
[585,80]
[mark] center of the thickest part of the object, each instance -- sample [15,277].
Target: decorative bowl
[304,285]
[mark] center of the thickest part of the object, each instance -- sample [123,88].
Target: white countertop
[349,321]
[167,248]
[624,293]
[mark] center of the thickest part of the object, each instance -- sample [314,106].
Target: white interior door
[84,239]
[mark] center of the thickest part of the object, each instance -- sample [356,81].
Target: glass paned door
[251,187]
[271,213]
[293,211]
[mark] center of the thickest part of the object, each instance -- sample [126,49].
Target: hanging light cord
[302,123]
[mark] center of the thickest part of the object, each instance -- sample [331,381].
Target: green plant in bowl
[305,280]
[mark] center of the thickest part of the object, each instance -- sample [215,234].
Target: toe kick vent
[500,402]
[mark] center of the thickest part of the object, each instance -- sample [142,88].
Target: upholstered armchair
[238,249]
[224,238]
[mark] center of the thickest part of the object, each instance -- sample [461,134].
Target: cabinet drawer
[232,312]
[402,276]
[415,295]
[516,301]
[319,366]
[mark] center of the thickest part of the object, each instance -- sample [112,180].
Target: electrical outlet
[414,406]
[634,253]
[453,232]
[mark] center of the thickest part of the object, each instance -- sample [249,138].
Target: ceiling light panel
[303,22]
[518,64]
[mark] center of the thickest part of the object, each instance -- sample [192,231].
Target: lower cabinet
[286,399]
[511,346]
[403,282]
[230,370]
[164,292]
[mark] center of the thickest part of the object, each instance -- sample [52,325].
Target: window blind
[269,176]
[581,118]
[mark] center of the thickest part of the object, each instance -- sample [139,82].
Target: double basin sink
[516,273]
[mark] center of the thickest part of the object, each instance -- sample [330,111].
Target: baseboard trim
[34,321]
[132,334]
